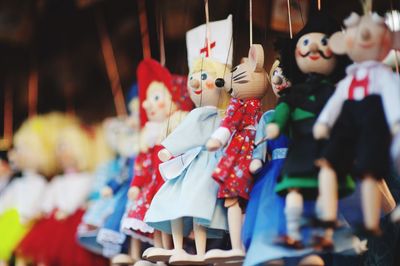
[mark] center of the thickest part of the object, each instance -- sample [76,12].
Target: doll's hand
[164,155]
[255,166]
[213,144]
[272,131]
[133,193]
[106,192]
[396,128]
[321,131]
[60,215]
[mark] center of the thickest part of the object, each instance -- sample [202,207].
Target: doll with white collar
[361,116]
[33,155]
[247,83]
[312,68]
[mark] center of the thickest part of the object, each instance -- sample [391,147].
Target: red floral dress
[149,180]
[232,172]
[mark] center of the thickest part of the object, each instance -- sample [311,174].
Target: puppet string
[290,20]
[161,38]
[33,81]
[319,4]
[207,27]
[8,117]
[251,21]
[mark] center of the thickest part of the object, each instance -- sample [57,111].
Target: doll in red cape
[163,104]
[247,83]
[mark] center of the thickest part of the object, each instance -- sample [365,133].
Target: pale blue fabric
[193,195]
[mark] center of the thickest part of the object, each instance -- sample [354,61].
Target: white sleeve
[389,84]
[7,197]
[333,107]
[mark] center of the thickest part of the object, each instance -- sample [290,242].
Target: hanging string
[207,27]
[144,30]
[290,20]
[319,5]
[396,53]
[161,39]
[6,141]
[111,66]
[33,84]
[251,21]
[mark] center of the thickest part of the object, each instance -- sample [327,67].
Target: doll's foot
[181,257]
[289,242]
[159,254]
[323,244]
[219,255]
[362,232]
[122,259]
[395,216]
[149,263]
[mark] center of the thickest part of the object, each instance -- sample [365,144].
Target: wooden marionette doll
[110,236]
[162,106]
[63,204]
[19,204]
[360,118]
[188,199]
[312,68]
[247,83]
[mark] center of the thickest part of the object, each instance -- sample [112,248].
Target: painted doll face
[158,104]
[202,89]
[367,37]
[313,54]
[65,155]
[278,81]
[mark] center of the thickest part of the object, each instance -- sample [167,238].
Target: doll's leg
[177,233]
[235,218]
[166,240]
[371,203]
[200,238]
[388,202]
[157,239]
[328,194]
[135,248]
[293,213]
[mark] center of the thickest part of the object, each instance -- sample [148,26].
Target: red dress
[149,180]
[232,172]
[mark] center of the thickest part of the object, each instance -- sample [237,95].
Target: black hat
[317,22]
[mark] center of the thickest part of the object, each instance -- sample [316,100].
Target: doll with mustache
[313,69]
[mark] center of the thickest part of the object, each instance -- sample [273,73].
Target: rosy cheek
[161,105]
[328,52]
[209,84]
[349,42]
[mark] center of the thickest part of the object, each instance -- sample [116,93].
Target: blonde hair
[80,146]
[273,67]
[216,69]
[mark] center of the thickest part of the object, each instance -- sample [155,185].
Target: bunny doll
[360,118]
[188,199]
[247,83]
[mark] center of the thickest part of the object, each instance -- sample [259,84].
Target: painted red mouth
[314,57]
[197,92]
[366,45]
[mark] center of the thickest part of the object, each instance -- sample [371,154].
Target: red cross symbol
[205,49]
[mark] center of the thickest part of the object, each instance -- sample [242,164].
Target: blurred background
[53,48]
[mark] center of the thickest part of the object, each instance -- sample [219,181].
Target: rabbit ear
[337,43]
[256,57]
[396,40]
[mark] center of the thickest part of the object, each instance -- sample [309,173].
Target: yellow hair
[79,145]
[273,67]
[40,134]
[216,69]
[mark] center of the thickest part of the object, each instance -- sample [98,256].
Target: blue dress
[189,191]
[109,235]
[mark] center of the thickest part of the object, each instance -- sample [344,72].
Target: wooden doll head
[365,38]
[278,81]
[313,54]
[74,150]
[201,83]
[249,79]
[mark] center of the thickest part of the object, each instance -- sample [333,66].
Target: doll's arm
[193,132]
[390,85]
[279,120]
